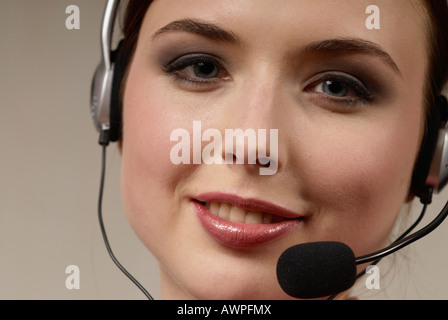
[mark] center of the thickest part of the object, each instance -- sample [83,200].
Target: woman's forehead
[348,16]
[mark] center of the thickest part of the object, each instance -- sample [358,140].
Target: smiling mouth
[237,214]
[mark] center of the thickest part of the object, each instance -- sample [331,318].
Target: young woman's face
[346,102]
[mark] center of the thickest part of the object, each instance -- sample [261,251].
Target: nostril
[264,161]
[230,158]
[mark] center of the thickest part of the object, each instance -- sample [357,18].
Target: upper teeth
[237,214]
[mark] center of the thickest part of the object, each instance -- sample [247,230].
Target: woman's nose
[252,126]
[252,148]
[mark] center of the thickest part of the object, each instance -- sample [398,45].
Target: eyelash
[361,93]
[176,66]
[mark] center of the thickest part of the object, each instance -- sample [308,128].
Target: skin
[345,165]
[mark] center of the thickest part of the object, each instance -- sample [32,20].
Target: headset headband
[102,81]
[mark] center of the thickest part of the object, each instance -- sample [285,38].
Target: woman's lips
[243,223]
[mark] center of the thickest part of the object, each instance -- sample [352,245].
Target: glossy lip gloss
[244,235]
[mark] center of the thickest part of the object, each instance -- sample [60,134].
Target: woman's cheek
[148,176]
[359,182]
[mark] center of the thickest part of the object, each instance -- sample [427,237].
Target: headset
[431,169]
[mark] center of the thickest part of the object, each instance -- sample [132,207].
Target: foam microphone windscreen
[316,269]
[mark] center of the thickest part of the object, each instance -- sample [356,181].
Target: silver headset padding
[438,173]
[100,96]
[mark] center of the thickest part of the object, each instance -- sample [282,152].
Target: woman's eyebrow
[349,45]
[205,29]
[330,46]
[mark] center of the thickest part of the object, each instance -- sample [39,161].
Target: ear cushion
[119,59]
[433,122]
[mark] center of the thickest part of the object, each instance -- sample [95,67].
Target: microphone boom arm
[406,241]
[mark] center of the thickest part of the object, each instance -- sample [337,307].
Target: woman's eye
[197,68]
[333,88]
[204,70]
[341,88]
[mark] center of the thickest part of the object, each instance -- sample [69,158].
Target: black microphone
[320,269]
[316,269]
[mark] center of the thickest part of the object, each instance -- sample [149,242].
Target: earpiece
[438,171]
[431,170]
[103,104]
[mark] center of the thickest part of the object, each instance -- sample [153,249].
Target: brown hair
[436,79]
[133,19]
[438,42]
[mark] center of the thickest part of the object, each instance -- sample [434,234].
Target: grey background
[50,169]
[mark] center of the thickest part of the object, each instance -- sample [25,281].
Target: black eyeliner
[360,88]
[188,60]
